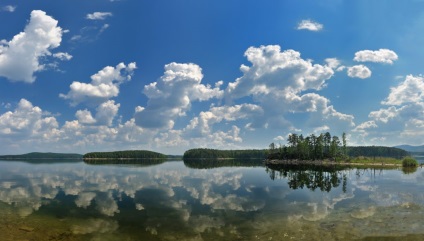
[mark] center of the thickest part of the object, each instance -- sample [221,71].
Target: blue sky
[80,76]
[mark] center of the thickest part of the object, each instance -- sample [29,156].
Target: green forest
[312,177]
[216,163]
[376,151]
[41,155]
[205,153]
[326,146]
[133,154]
[145,162]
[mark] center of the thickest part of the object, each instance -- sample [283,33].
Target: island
[41,155]
[325,149]
[128,154]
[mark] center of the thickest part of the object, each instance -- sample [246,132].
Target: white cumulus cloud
[26,120]
[28,127]
[172,94]
[277,76]
[385,56]
[98,15]
[62,56]
[410,90]
[104,85]
[359,71]
[403,117]
[106,112]
[85,117]
[310,25]
[20,57]
[201,126]
[335,64]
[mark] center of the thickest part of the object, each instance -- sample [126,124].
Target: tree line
[326,146]
[376,151]
[139,162]
[205,153]
[42,155]
[311,177]
[135,154]
[215,163]
[312,147]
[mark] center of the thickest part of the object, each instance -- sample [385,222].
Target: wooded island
[130,154]
[312,149]
[325,146]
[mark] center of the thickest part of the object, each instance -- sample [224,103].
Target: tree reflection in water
[312,177]
[127,162]
[216,163]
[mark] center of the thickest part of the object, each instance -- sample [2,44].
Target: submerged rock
[26,229]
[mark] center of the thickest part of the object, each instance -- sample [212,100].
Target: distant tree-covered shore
[129,154]
[326,146]
[41,155]
[205,153]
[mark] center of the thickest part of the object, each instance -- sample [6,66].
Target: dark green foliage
[215,163]
[330,147]
[138,162]
[134,154]
[41,155]
[204,153]
[409,170]
[376,151]
[409,162]
[323,178]
[308,148]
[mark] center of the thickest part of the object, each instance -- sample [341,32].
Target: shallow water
[174,201]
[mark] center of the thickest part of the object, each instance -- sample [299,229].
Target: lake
[174,200]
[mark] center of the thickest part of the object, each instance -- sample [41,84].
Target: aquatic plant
[409,162]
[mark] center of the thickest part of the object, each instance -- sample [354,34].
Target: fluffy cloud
[98,15]
[334,64]
[85,117]
[310,25]
[409,91]
[403,118]
[275,76]
[104,85]
[200,131]
[359,71]
[26,121]
[9,8]
[106,112]
[384,115]
[172,94]
[385,56]
[277,72]
[281,77]
[20,57]
[201,125]
[62,56]
[28,127]
[363,128]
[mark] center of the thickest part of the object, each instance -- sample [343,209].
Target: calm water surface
[187,201]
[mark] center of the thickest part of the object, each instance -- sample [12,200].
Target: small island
[128,154]
[325,149]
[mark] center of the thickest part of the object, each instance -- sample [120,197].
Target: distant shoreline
[42,158]
[128,158]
